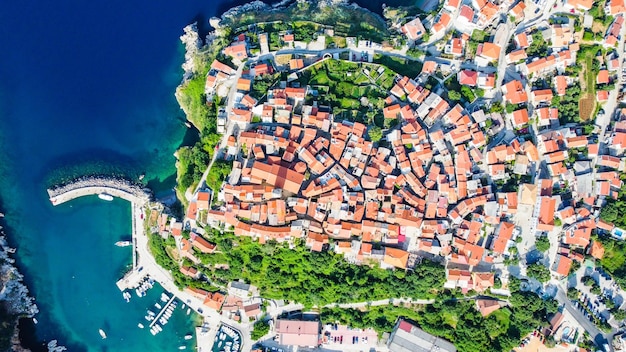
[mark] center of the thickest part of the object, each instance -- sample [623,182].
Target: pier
[134,277]
[156,319]
[120,188]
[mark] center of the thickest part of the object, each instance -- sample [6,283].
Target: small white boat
[140,325]
[35,321]
[104,336]
[188,337]
[158,306]
[188,311]
[123,243]
[182,347]
[105,196]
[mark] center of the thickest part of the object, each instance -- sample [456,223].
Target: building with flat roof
[298,332]
[407,337]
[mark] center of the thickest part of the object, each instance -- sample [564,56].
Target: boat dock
[156,319]
[131,280]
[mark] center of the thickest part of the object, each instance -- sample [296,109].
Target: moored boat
[102,333]
[188,337]
[105,196]
[123,243]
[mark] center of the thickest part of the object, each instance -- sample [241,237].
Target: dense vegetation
[568,105]
[404,67]
[539,47]
[539,272]
[614,260]
[261,328]
[218,173]
[315,279]
[192,161]
[613,211]
[458,320]
[159,249]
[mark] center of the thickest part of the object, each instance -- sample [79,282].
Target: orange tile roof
[488,50]
[563,265]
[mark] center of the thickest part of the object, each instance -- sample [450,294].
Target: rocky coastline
[259,6]
[192,42]
[14,297]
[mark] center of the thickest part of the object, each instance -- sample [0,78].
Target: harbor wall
[116,187]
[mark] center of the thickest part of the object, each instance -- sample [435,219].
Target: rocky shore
[14,297]
[258,6]
[192,42]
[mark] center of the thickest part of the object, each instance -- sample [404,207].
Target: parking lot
[594,306]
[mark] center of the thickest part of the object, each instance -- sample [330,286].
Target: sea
[88,87]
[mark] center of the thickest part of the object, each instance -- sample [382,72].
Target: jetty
[156,319]
[86,186]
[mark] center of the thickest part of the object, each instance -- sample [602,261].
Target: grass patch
[171,252]
[401,66]
[450,318]
[587,103]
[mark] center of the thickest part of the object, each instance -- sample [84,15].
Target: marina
[147,284]
[163,317]
[227,340]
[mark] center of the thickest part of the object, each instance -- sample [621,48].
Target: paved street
[589,327]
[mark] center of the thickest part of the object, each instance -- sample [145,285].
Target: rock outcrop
[192,42]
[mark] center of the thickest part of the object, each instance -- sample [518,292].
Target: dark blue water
[87,86]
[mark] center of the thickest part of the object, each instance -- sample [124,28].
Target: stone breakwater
[116,187]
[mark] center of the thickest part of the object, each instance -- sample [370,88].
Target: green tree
[375,133]
[539,272]
[573,293]
[261,328]
[542,243]
[618,314]
[510,108]
[588,281]
[467,93]
[595,289]
[454,95]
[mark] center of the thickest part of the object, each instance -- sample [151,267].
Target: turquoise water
[78,280]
